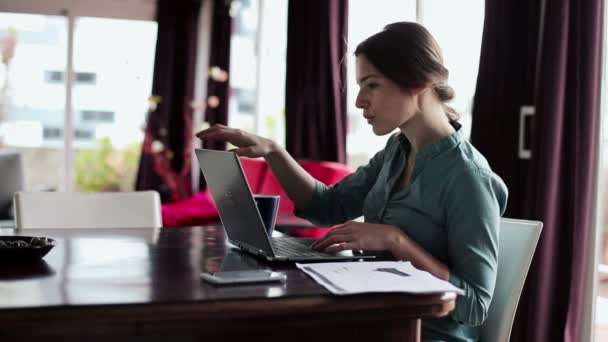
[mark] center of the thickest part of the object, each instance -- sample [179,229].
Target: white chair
[517,243]
[39,210]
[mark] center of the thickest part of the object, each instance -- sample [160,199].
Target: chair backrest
[517,243]
[140,209]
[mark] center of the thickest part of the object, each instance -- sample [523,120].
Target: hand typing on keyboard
[359,236]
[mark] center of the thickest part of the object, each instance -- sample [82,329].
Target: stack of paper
[383,276]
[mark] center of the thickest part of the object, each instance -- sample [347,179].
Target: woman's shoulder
[470,160]
[472,177]
[468,165]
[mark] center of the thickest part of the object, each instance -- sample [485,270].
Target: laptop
[241,219]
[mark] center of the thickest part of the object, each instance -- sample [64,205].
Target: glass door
[95,145]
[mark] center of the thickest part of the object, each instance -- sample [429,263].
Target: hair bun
[444,92]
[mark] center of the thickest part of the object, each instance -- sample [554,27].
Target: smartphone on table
[243,277]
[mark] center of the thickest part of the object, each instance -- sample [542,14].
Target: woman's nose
[361,102]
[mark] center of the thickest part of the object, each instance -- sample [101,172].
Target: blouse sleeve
[476,199]
[343,201]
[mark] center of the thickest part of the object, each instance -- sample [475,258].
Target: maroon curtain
[557,71]
[505,82]
[165,160]
[315,94]
[219,59]
[562,167]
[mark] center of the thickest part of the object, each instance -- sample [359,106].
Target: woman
[429,197]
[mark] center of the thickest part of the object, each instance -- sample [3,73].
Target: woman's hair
[407,54]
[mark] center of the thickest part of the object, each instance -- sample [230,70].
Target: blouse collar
[433,149]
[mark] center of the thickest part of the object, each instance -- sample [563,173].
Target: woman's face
[385,105]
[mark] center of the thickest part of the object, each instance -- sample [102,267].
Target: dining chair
[517,243]
[39,210]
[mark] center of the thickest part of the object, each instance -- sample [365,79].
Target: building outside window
[112,66]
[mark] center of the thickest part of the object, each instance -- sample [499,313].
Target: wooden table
[140,285]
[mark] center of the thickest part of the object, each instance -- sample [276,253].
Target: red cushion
[199,209]
[328,173]
[312,232]
[271,186]
[255,171]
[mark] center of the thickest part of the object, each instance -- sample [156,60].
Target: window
[364,19]
[243,64]
[99,116]
[257,63]
[33,115]
[85,77]
[83,134]
[112,64]
[113,96]
[54,77]
[58,77]
[460,54]
[444,19]
[52,133]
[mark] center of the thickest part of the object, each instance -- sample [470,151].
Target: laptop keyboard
[287,246]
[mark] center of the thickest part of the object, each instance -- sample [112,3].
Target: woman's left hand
[354,235]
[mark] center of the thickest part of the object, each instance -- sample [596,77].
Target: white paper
[380,276]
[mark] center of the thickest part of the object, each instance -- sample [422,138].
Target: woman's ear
[418,90]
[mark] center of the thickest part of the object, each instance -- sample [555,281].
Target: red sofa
[200,209]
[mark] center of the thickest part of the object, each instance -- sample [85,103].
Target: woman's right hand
[248,145]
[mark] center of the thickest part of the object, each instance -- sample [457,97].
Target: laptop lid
[241,219]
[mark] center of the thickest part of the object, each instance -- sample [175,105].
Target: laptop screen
[235,204]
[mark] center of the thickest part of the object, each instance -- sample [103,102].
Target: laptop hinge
[251,249]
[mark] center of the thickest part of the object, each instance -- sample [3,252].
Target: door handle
[525,117]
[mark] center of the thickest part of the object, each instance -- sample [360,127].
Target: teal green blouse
[451,207]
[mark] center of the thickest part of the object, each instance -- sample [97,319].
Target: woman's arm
[406,249]
[381,237]
[475,200]
[297,183]
[314,201]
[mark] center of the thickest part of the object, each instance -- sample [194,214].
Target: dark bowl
[23,254]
